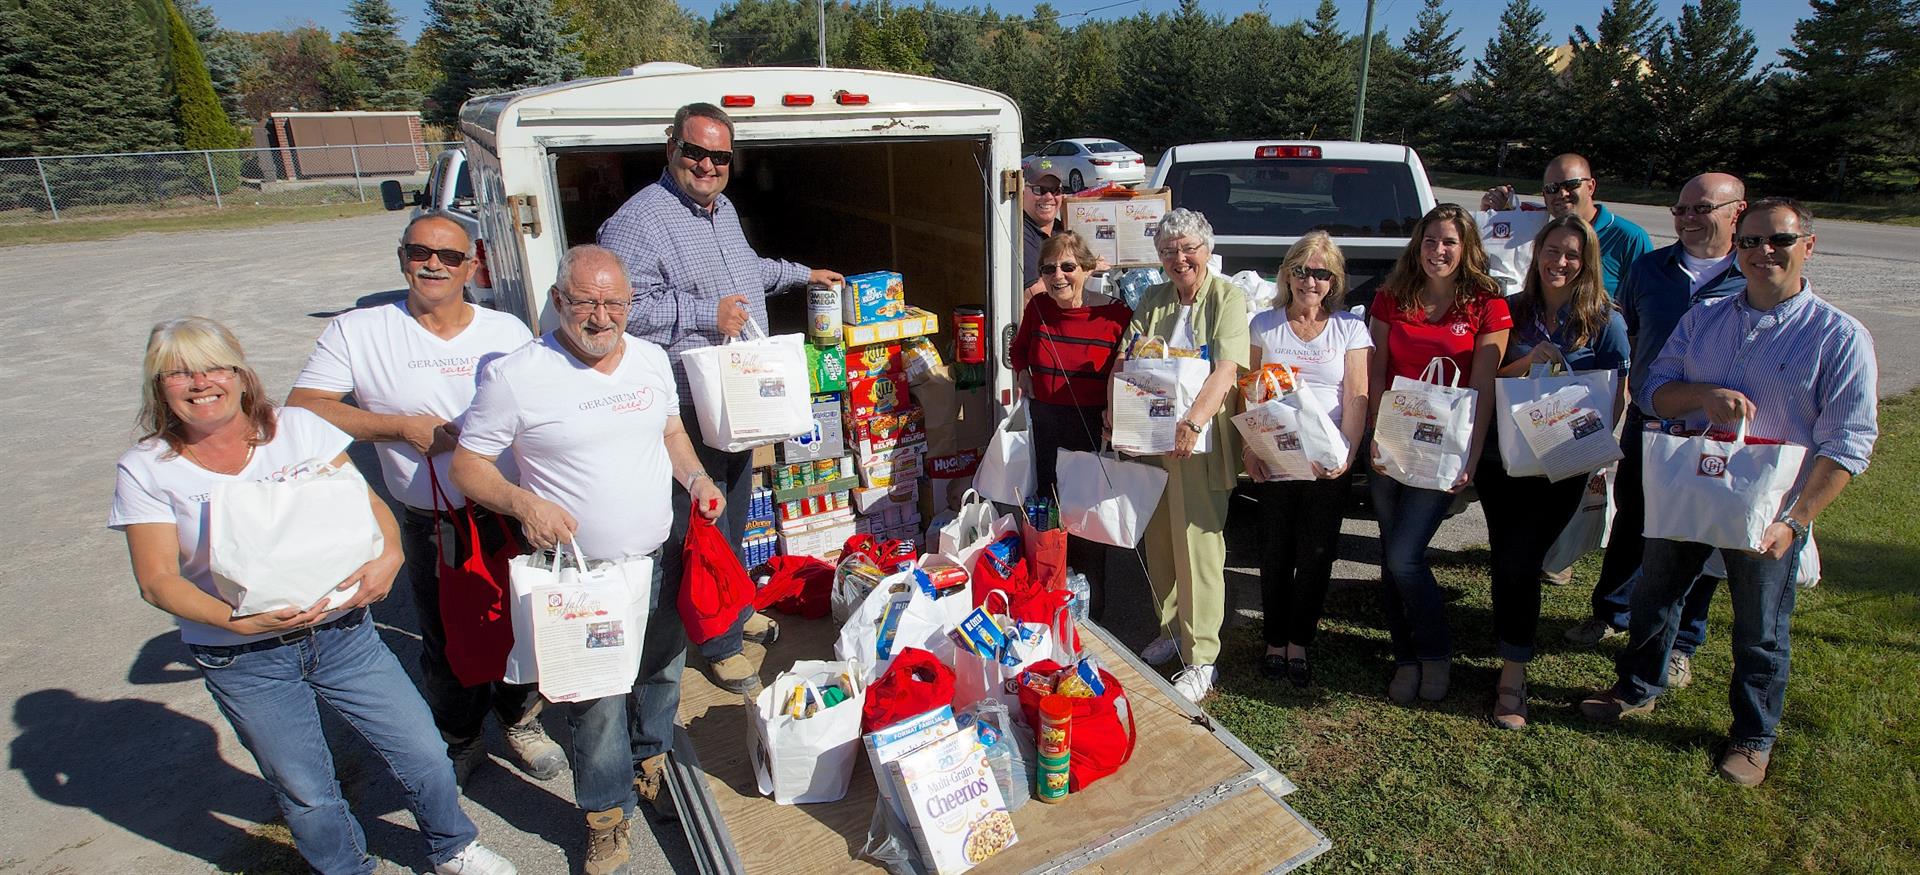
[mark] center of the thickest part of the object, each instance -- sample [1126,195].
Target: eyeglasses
[1301,271]
[1044,190]
[1565,186]
[185,378]
[1182,249]
[697,154]
[1062,267]
[586,308]
[1777,241]
[1698,209]
[448,257]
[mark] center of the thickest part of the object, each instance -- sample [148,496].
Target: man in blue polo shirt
[1568,186]
[1659,288]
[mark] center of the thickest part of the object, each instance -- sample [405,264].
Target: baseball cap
[1040,171]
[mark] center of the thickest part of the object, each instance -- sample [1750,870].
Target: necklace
[195,457]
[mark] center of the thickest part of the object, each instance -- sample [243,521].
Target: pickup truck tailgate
[1193,798]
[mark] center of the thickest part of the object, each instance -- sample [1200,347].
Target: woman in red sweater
[1062,357]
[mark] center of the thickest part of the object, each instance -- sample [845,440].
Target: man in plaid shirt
[696,281]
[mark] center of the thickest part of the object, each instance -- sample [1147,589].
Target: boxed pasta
[952,803]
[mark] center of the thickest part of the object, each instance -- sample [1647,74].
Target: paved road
[118,761]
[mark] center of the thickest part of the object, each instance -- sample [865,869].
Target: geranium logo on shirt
[448,366]
[622,402]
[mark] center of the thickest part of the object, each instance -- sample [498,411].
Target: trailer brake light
[1286,152]
[848,98]
[735,101]
[797,100]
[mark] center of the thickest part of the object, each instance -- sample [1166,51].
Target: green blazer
[1219,320]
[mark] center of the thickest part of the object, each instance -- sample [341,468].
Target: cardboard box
[870,501]
[797,493]
[915,323]
[875,360]
[763,457]
[826,368]
[885,469]
[873,297]
[870,396]
[821,540]
[828,439]
[885,431]
[953,804]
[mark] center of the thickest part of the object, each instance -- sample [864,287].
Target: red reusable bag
[714,589]
[1046,554]
[1099,744]
[474,602]
[914,683]
[800,585]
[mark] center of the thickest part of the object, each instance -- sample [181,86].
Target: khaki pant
[1187,559]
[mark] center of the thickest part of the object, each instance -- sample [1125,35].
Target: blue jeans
[1762,591]
[1620,571]
[602,771]
[663,656]
[269,696]
[1615,608]
[1409,517]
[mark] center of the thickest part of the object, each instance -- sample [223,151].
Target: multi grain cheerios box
[952,803]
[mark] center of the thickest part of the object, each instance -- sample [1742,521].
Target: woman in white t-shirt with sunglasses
[1300,519]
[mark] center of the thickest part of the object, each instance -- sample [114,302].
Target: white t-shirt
[155,486]
[590,442]
[1182,334]
[1507,236]
[395,366]
[1699,270]
[1322,361]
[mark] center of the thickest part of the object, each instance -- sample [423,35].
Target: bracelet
[1799,531]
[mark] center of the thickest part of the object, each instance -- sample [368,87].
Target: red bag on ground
[474,602]
[1028,601]
[915,683]
[800,585]
[1046,554]
[1098,744]
[714,589]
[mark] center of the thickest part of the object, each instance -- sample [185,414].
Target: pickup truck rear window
[1289,197]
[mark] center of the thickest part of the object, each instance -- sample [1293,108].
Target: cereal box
[953,804]
[869,396]
[827,368]
[873,297]
[875,360]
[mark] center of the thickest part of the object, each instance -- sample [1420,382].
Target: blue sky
[1771,20]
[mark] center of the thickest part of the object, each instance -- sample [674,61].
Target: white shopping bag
[1006,470]
[968,557]
[1105,499]
[897,615]
[750,392]
[1289,432]
[973,521]
[1712,491]
[1507,236]
[1150,396]
[579,625]
[1588,530]
[807,759]
[980,676]
[1425,427]
[287,542]
[1556,425]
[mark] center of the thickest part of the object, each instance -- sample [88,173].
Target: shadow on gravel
[371,300]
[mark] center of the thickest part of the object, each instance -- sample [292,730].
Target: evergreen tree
[1263,71]
[956,43]
[1090,78]
[489,46]
[1847,111]
[1018,67]
[1699,91]
[1602,89]
[225,55]
[1509,96]
[203,124]
[1326,71]
[79,76]
[377,56]
[1174,67]
[1411,108]
[616,34]
[890,40]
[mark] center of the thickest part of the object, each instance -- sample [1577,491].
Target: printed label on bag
[1428,433]
[1712,465]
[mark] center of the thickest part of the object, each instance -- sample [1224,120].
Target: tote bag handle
[1436,372]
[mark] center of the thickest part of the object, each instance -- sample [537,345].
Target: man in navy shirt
[1568,186]
[1659,288]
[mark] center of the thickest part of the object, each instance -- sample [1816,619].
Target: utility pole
[820,27]
[1366,58]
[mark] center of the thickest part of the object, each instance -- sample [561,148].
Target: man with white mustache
[410,368]
[593,420]
[1660,287]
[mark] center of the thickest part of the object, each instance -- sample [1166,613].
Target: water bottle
[1082,591]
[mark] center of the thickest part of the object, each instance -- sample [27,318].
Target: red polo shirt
[1412,341]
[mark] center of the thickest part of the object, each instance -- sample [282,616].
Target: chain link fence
[56,187]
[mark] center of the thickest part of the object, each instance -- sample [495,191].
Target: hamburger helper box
[952,802]
[873,297]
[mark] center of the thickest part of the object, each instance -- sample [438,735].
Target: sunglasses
[1044,190]
[697,154]
[1062,267]
[1698,209]
[1565,186]
[448,257]
[1777,241]
[1301,272]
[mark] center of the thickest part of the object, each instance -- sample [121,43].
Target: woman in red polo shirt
[1438,302]
[1062,356]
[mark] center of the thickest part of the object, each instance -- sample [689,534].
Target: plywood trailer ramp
[1192,799]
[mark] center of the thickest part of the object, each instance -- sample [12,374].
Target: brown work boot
[535,753]
[650,784]
[1607,706]
[760,629]
[1745,766]
[608,848]
[735,674]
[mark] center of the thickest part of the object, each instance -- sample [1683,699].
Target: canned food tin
[826,469]
[823,314]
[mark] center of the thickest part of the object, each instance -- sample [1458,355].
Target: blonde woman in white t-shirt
[1300,519]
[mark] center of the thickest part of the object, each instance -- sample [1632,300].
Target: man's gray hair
[439,218]
[563,275]
[704,110]
[1183,223]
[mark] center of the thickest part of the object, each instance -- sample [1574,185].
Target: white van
[850,170]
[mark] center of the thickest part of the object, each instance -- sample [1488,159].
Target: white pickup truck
[1261,195]
[449,193]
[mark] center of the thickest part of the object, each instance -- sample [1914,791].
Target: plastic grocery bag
[1712,491]
[1591,522]
[714,588]
[1556,426]
[895,616]
[287,542]
[1106,499]
[1424,428]
[1260,292]
[810,758]
[1006,468]
[750,392]
[1006,744]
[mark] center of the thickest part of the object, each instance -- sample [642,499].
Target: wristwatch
[698,476]
[1800,532]
[1190,426]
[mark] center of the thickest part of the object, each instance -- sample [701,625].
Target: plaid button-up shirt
[682,258]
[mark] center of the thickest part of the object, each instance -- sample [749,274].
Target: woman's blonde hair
[1590,304]
[1310,244]
[1472,285]
[196,343]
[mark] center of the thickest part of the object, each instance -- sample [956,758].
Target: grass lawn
[193,219]
[1438,789]
[1899,210]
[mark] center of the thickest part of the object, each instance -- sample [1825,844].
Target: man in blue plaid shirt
[696,282]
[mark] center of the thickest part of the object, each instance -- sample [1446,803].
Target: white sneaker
[1161,651]
[1195,682]
[476,860]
